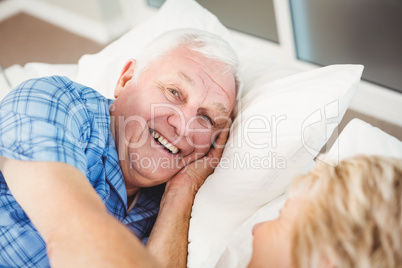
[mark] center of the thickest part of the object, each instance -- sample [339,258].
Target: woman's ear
[327,264]
[125,77]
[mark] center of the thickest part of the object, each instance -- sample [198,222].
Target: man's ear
[125,76]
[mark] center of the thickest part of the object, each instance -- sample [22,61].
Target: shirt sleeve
[45,120]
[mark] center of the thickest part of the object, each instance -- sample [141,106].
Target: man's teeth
[164,142]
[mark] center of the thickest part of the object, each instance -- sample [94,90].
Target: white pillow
[39,69]
[232,194]
[359,137]
[11,78]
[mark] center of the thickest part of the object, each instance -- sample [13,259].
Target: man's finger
[219,144]
[223,136]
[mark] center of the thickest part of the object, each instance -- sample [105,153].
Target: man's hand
[193,176]
[169,238]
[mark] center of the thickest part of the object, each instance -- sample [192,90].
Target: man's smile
[164,142]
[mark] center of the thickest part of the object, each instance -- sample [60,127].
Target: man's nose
[183,121]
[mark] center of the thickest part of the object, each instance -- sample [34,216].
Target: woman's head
[352,217]
[348,215]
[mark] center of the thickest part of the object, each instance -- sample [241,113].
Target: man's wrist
[182,184]
[179,194]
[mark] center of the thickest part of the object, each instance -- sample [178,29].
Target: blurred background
[304,33]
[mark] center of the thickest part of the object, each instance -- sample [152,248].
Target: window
[255,17]
[359,31]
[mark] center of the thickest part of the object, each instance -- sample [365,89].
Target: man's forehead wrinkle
[227,95]
[222,109]
[186,78]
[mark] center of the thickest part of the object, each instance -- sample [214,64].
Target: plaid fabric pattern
[55,119]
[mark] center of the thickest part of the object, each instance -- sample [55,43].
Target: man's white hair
[209,45]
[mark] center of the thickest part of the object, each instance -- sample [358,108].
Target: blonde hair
[352,217]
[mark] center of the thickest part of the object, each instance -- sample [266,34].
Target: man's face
[171,116]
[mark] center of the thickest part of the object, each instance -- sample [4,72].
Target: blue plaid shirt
[55,119]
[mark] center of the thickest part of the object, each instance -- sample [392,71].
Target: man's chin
[152,176]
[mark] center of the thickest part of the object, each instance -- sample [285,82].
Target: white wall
[99,20]
[87,8]
[136,11]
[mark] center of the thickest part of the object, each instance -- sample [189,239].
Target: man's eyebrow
[220,107]
[187,78]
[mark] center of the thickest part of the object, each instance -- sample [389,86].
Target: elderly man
[77,169]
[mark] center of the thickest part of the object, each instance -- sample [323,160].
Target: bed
[285,117]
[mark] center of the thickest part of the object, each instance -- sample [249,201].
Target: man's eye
[207,119]
[174,92]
